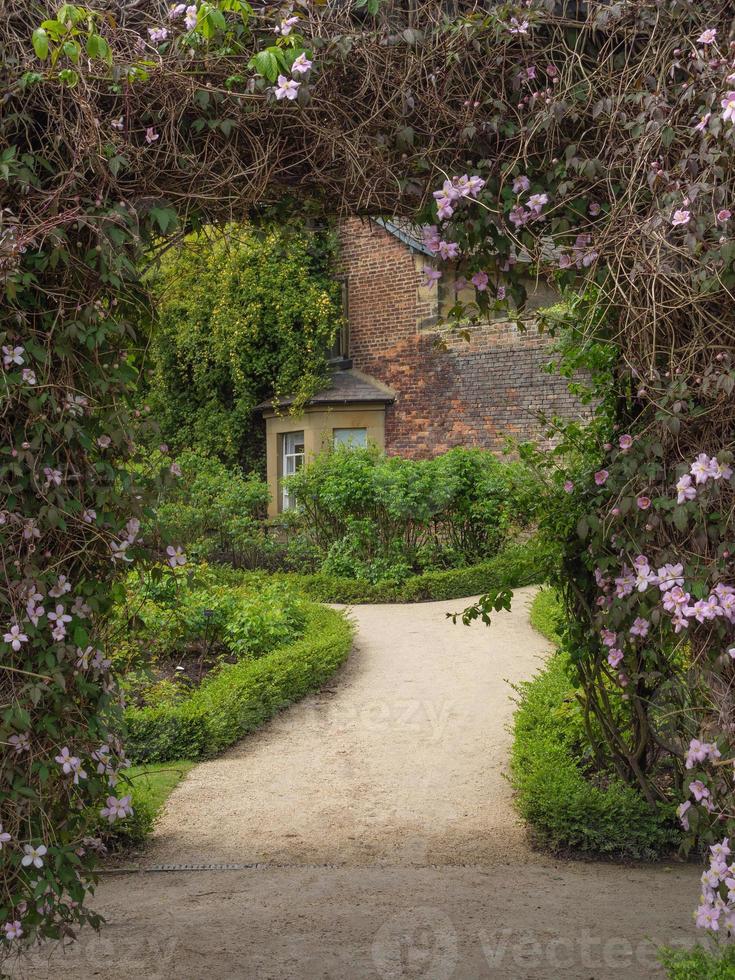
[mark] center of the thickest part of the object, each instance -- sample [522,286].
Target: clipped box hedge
[241,696]
[564,810]
[513,567]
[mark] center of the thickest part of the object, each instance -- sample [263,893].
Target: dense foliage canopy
[241,316]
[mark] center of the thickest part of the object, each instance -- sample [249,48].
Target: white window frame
[291,462]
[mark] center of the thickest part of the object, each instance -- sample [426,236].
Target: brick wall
[449,391]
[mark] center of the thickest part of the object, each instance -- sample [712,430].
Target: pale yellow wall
[318,424]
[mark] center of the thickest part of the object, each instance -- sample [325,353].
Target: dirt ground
[380,842]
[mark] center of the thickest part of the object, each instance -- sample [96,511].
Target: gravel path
[387,848]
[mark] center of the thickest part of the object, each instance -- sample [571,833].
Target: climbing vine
[592,145]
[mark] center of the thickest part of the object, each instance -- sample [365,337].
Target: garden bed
[239,697]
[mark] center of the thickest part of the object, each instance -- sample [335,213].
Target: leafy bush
[191,616]
[240,697]
[563,804]
[699,963]
[212,510]
[383,519]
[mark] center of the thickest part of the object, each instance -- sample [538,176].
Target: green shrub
[212,511]
[515,566]
[240,697]
[562,806]
[381,519]
[699,963]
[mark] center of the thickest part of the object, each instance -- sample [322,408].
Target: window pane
[350,437]
[292,459]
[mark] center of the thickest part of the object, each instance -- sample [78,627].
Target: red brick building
[407,383]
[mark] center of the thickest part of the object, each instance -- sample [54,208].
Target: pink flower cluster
[717,901]
[454,191]
[703,469]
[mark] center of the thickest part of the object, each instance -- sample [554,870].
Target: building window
[355,438]
[292,459]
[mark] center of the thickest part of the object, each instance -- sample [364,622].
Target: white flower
[33,856]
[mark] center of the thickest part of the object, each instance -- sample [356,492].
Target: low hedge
[241,696]
[514,566]
[565,810]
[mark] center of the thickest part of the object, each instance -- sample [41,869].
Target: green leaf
[265,63]
[40,43]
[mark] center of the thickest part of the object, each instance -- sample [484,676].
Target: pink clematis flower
[521,184]
[287,88]
[151,135]
[33,856]
[190,21]
[614,657]
[698,790]
[480,281]
[703,122]
[625,442]
[728,107]
[431,276]
[680,217]
[568,486]
[643,502]
[116,809]
[701,468]
[685,490]
[640,627]
[681,811]
[15,637]
[448,250]
[13,930]
[301,65]
[175,556]
[724,215]
[601,477]
[708,36]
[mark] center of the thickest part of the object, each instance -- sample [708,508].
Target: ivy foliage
[242,315]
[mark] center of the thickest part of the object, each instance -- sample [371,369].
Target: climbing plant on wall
[241,316]
[593,141]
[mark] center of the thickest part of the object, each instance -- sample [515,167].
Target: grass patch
[150,786]
[699,963]
[240,697]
